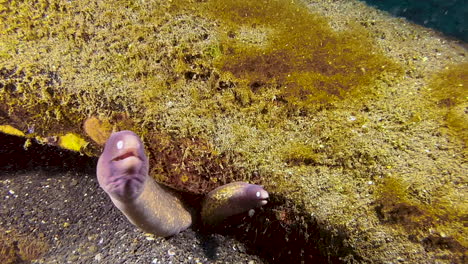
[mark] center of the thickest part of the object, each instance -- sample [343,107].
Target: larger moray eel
[122,172]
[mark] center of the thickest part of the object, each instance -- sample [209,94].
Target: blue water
[447,16]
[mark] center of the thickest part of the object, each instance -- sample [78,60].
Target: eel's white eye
[257,194]
[120,144]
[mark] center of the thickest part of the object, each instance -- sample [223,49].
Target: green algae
[307,64]
[439,221]
[301,153]
[72,142]
[53,81]
[449,91]
[11,130]
[19,247]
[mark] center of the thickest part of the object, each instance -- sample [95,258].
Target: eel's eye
[120,144]
[257,194]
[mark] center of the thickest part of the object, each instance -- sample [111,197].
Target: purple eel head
[254,196]
[241,197]
[123,166]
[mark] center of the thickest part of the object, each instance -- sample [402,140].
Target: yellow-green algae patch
[7,129]
[72,142]
[449,91]
[442,217]
[18,247]
[305,63]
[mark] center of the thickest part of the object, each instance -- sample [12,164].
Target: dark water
[447,16]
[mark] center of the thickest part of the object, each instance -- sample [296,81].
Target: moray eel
[122,172]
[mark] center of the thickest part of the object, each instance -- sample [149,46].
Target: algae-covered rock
[329,104]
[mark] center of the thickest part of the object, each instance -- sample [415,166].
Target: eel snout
[255,196]
[231,199]
[123,166]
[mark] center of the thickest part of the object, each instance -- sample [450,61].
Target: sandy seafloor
[51,199]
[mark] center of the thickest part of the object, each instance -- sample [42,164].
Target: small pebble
[171,252]
[98,257]
[92,249]
[251,212]
[73,182]
[149,236]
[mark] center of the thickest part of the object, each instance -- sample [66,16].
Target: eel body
[231,199]
[122,172]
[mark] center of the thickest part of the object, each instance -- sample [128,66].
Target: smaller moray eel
[122,172]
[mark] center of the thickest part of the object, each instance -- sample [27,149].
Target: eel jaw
[128,178]
[128,160]
[127,154]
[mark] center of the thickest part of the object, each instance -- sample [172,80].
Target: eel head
[123,166]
